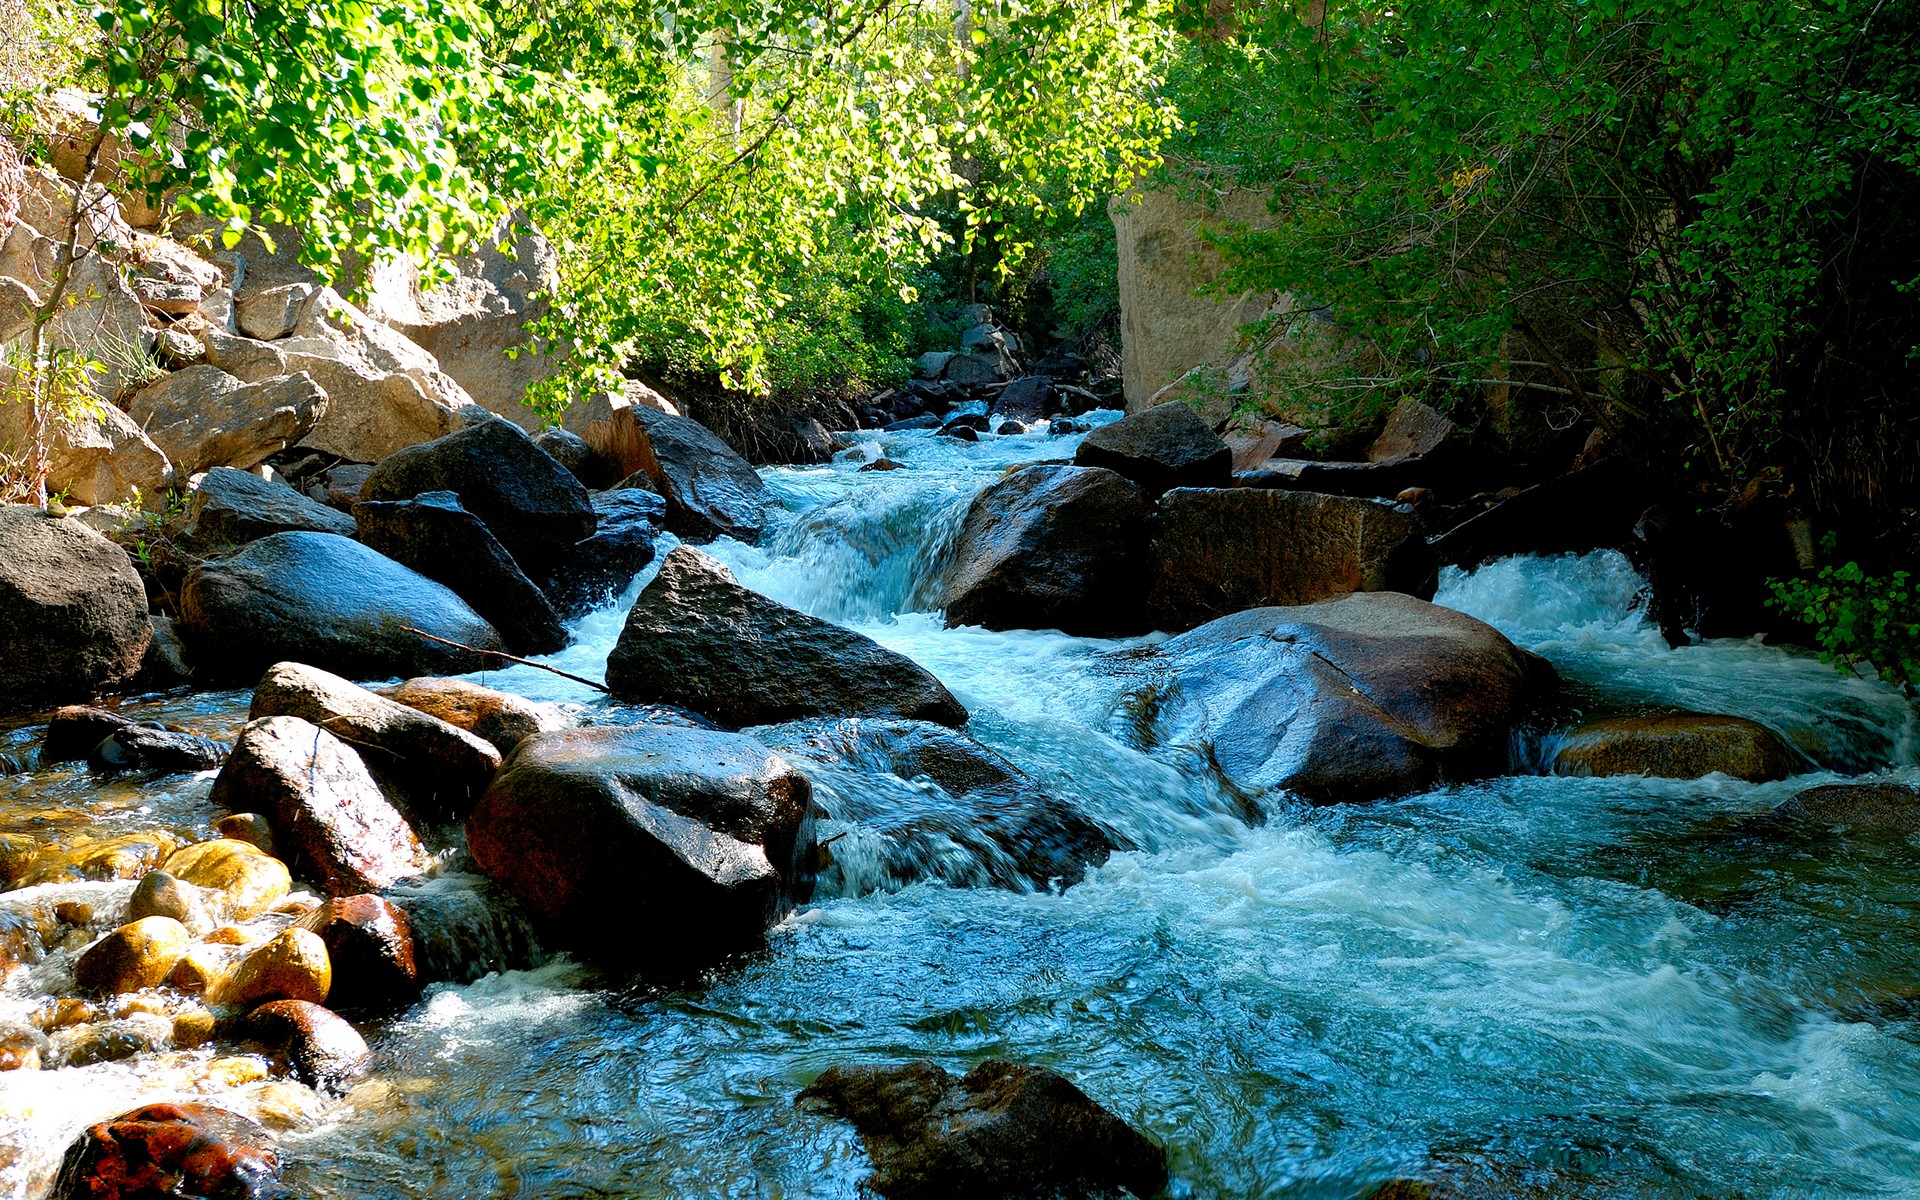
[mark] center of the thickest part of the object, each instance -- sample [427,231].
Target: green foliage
[1858,618]
[58,387]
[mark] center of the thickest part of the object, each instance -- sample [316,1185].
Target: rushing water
[1538,986]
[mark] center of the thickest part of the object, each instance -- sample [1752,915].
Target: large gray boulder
[531,503]
[710,490]
[1373,695]
[1167,446]
[1220,550]
[73,612]
[1052,547]
[697,639]
[327,600]
[648,846]
[203,417]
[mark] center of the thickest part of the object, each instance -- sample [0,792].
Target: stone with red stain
[182,1150]
[370,943]
[314,1043]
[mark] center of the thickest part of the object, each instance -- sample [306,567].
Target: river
[1538,986]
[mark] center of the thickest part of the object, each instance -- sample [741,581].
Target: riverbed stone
[230,508]
[159,894]
[122,856]
[501,719]
[139,954]
[589,827]
[73,611]
[1372,695]
[328,811]
[249,880]
[369,943]
[73,731]
[441,767]
[1003,1129]
[252,828]
[327,600]
[434,535]
[319,1048]
[1221,550]
[184,1150]
[142,748]
[710,490]
[292,965]
[1675,746]
[698,639]
[1052,547]
[532,504]
[1166,446]
[1860,807]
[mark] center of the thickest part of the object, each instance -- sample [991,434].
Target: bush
[1858,619]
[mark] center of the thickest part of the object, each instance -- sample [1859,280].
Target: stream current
[1531,985]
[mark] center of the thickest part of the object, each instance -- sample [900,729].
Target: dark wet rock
[589,827]
[501,719]
[441,767]
[1028,398]
[1376,694]
[73,732]
[168,663]
[1221,550]
[1591,509]
[533,505]
[975,421]
[434,535]
[73,612]
[884,464]
[329,814]
[571,451]
[465,927]
[327,600]
[231,508]
[1674,746]
[369,942]
[139,954]
[1009,832]
[319,1048]
[919,421]
[593,572]
[710,490]
[1167,446]
[171,1150]
[1052,547]
[1002,1130]
[139,748]
[698,639]
[1889,808]
[959,432]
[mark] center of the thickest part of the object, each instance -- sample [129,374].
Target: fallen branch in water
[513,658]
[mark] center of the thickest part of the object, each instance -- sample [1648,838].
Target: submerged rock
[328,812]
[1166,446]
[73,612]
[698,639]
[1052,547]
[651,845]
[1002,1130]
[182,1150]
[327,600]
[319,1048]
[1376,694]
[1889,808]
[1675,746]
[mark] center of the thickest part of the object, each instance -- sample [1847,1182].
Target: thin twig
[513,658]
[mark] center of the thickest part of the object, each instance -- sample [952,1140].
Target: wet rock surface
[1870,808]
[1675,746]
[698,639]
[181,1150]
[710,490]
[316,1045]
[501,719]
[369,944]
[1002,1130]
[592,572]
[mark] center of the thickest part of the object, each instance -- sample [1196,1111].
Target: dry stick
[525,662]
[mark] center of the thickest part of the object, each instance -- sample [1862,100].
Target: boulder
[271,312]
[327,600]
[1871,808]
[1252,443]
[73,612]
[167,663]
[710,490]
[104,321]
[1221,550]
[1413,430]
[1167,446]
[607,423]
[1052,547]
[383,392]
[141,748]
[74,730]
[202,417]
[137,955]
[343,484]
[310,1042]
[369,944]
[1376,694]
[328,812]
[697,639]
[171,1150]
[960,813]
[533,505]
[247,880]
[1389,477]
[96,457]
[1674,746]
[590,827]
[1028,398]
[442,767]
[252,828]
[433,534]
[1002,1129]
[501,719]
[230,508]
[291,965]
[593,572]
[571,451]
